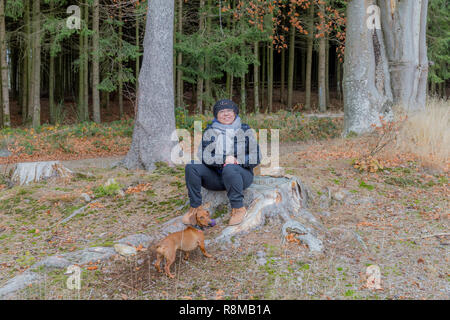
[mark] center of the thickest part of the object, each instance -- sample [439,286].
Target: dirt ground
[396,219]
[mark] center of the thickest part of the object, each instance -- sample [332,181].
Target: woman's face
[226,116]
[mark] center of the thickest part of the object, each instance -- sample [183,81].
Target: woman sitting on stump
[228,152]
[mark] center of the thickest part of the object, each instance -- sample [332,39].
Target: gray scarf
[224,138]
[226,132]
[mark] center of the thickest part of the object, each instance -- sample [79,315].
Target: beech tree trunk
[366,83]
[155,119]
[404,25]
[385,61]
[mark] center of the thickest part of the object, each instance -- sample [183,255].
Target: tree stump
[27,172]
[285,198]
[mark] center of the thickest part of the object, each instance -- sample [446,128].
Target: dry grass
[427,134]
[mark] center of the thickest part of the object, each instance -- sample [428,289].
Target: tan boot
[237,216]
[189,217]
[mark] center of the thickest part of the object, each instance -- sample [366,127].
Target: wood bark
[4,68]
[95,62]
[270,80]
[309,52]
[322,69]
[26,87]
[36,93]
[404,25]
[384,65]
[201,67]
[51,80]
[81,83]
[155,120]
[120,66]
[366,83]
[180,84]
[283,75]
[291,67]
[256,66]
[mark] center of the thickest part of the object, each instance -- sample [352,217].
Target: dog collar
[198,227]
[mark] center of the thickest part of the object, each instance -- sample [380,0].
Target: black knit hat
[225,104]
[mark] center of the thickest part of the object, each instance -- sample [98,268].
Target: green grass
[364,185]
[109,190]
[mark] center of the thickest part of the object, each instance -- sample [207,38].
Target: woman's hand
[231,160]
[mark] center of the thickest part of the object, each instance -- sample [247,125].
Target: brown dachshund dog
[187,240]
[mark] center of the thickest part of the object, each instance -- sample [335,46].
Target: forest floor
[396,218]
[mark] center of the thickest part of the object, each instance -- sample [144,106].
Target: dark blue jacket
[218,166]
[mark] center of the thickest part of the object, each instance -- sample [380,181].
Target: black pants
[234,179]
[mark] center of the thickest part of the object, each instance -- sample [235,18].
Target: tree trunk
[366,84]
[263,73]
[309,52]
[338,79]
[291,67]
[404,30]
[180,85]
[95,62]
[81,84]
[120,66]
[4,68]
[283,75]
[86,64]
[256,78]
[51,79]
[327,73]
[208,92]
[138,44]
[270,80]
[201,66]
[155,120]
[36,64]
[321,68]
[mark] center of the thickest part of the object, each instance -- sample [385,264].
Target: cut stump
[285,198]
[26,172]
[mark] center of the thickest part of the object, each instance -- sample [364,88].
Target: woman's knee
[230,169]
[191,169]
